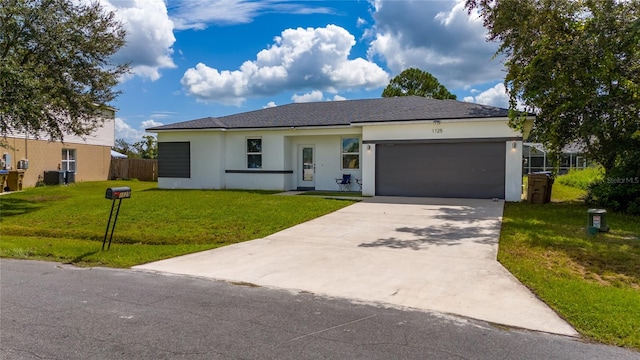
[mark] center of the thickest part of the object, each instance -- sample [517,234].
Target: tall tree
[56,73]
[147,148]
[124,147]
[576,64]
[415,82]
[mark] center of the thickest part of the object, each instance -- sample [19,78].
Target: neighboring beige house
[404,146]
[87,158]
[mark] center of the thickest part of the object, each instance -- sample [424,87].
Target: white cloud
[435,36]
[198,14]
[163,114]
[150,123]
[132,135]
[270,104]
[149,36]
[195,14]
[126,132]
[315,95]
[298,59]
[494,96]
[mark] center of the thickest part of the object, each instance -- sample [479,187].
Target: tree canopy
[415,82]
[576,65]
[56,73]
[146,148]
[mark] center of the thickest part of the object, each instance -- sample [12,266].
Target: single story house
[402,146]
[87,157]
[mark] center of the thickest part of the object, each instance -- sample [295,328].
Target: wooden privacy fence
[141,169]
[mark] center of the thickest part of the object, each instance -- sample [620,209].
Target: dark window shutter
[174,159]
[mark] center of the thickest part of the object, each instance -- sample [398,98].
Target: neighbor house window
[68,160]
[350,153]
[254,153]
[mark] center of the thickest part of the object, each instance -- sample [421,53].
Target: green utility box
[597,221]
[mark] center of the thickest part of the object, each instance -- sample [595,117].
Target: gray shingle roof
[345,113]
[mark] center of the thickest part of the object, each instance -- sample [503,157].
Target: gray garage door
[459,170]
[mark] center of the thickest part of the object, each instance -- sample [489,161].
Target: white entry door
[306,166]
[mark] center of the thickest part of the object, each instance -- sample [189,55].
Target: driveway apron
[421,253]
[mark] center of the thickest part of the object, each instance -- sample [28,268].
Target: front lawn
[591,281]
[68,223]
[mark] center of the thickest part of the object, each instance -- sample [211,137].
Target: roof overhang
[279,128]
[157,131]
[429,121]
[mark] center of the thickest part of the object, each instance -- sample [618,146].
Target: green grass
[89,253]
[591,281]
[581,179]
[68,223]
[565,193]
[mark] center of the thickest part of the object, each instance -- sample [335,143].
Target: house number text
[436,130]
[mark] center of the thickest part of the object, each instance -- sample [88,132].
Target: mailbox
[115,193]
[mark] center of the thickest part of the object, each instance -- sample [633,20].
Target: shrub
[617,194]
[582,179]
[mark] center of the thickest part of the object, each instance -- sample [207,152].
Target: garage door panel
[471,170]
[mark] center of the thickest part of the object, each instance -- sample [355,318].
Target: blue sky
[198,58]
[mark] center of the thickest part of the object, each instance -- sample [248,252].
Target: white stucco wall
[102,136]
[207,162]
[215,152]
[236,160]
[328,160]
[513,171]
[217,155]
[368,169]
[446,129]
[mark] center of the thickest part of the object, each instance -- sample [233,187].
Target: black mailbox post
[115,193]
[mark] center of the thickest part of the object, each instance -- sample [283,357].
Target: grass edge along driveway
[593,282]
[67,223]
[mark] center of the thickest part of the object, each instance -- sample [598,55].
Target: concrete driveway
[421,253]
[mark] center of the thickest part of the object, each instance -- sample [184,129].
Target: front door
[306,167]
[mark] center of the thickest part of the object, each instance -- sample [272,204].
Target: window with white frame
[68,160]
[254,153]
[350,153]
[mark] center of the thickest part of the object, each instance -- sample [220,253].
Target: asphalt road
[54,311]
